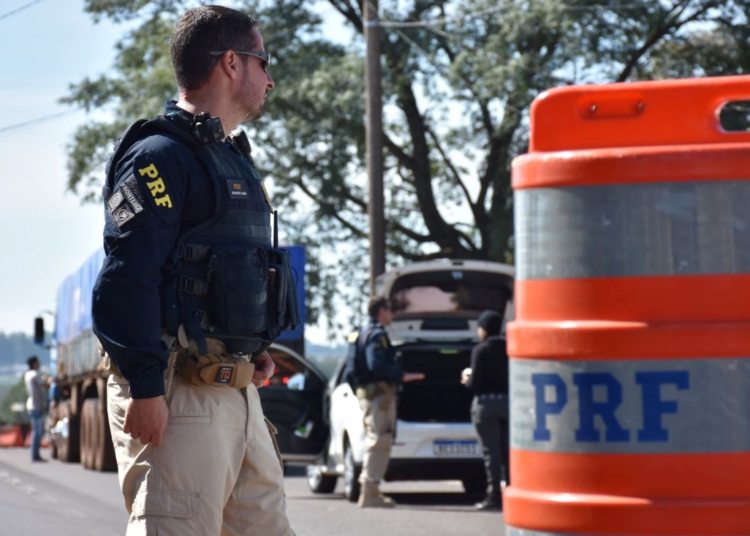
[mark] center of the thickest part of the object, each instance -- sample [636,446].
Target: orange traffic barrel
[630,351]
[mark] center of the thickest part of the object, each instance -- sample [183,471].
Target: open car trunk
[440,397]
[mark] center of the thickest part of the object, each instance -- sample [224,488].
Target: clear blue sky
[45,234]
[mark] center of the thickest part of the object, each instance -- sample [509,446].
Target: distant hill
[15,349]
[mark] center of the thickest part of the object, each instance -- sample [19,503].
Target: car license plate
[455,448]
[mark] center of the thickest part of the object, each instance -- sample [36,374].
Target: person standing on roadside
[192,292]
[36,404]
[488,379]
[375,374]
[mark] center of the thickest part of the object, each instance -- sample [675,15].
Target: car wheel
[351,474]
[318,482]
[474,486]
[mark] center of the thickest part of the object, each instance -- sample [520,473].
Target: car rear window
[460,292]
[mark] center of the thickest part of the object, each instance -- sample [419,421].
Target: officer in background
[375,375]
[488,379]
[189,296]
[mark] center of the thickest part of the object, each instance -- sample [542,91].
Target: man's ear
[229,66]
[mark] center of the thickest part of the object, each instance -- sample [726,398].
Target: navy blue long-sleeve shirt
[160,190]
[381,357]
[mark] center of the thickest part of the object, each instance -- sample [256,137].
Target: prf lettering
[156,186]
[653,406]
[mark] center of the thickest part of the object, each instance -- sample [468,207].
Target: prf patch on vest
[224,374]
[126,202]
[237,189]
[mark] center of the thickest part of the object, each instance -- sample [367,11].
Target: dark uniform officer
[191,294]
[375,373]
[488,380]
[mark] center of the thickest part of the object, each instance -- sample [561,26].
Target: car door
[345,419]
[293,401]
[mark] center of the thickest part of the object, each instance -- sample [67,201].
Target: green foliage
[17,393]
[458,80]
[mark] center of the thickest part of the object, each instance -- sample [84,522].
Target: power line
[50,117]
[10,13]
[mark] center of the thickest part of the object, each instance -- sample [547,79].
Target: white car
[436,306]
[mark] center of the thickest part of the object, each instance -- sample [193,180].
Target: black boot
[493,501]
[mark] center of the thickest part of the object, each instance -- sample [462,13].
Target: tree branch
[454,171]
[403,158]
[662,29]
[332,210]
[346,8]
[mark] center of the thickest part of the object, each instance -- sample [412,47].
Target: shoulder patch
[126,202]
[155,184]
[154,177]
[353,337]
[384,341]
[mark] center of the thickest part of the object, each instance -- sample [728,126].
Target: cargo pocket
[174,504]
[273,431]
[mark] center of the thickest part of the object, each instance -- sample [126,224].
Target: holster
[215,368]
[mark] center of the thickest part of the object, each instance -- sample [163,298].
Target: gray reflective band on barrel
[677,228]
[633,406]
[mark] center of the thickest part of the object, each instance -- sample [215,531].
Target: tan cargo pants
[217,471]
[379,407]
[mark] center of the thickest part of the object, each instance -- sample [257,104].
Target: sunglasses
[264,57]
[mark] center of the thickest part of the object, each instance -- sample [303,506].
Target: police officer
[182,305]
[488,379]
[376,375]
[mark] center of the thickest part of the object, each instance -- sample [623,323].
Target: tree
[459,77]
[15,395]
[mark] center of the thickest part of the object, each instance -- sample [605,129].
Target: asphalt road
[39,499]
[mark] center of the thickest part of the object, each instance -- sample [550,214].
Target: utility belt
[215,367]
[371,390]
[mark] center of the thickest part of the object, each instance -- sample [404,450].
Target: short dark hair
[201,30]
[375,305]
[30,361]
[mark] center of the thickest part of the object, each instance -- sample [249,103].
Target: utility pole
[374,140]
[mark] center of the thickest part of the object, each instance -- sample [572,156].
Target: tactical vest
[226,278]
[356,371]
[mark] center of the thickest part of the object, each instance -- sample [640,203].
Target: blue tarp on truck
[74,298]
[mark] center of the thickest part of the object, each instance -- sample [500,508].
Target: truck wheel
[68,448]
[318,482]
[104,459]
[351,474]
[87,434]
[51,423]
